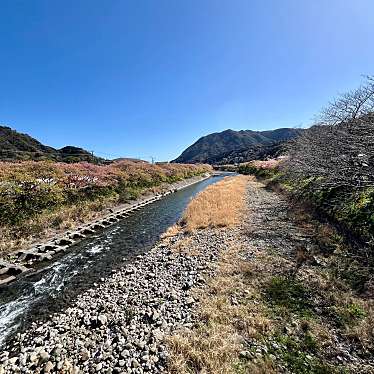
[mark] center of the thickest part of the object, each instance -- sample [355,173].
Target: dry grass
[364,330]
[218,205]
[170,232]
[214,345]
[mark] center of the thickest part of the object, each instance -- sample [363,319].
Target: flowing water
[55,285]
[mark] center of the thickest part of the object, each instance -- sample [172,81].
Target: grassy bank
[272,306]
[350,210]
[39,197]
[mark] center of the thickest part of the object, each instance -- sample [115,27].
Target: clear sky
[147,78]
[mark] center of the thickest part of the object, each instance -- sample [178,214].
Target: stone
[125,353]
[13,360]
[103,319]
[158,334]
[44,356]
[140,344]
[135,363]
[244,354]
[99,366]
[49,366]
[84,354]
[33,357]
[190,300]
[145,358]
[155,316]
[67,366]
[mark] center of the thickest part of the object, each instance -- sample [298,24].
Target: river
[56,284]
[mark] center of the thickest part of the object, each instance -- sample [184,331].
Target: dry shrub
[218,205]
[363,330]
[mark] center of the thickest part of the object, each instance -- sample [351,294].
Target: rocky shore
[119,325]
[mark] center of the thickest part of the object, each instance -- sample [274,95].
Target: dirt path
[270,224]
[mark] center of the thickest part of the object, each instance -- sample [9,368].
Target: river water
[55,285]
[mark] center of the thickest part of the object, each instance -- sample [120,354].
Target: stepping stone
[76,235]
[7,279]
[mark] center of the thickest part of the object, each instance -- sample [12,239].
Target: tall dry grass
[219,205]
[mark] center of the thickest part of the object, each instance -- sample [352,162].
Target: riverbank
[276,302]
[120,324]
[40,199]
[255,296]
[16,263]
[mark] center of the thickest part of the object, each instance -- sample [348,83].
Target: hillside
[236,146]
[18,146]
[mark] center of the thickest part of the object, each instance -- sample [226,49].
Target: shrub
[30,188]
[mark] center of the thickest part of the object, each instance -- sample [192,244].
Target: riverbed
[55,286]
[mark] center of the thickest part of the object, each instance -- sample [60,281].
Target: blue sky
[147,78]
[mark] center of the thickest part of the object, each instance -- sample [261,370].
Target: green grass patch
[288,295]
[265,173]
[299,355]
[348,315]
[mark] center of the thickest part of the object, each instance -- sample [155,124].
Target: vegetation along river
[54,286]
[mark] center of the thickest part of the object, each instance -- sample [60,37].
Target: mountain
[17,146]
[237,146]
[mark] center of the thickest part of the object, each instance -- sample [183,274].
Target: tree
[339,155]
[339,150]
[351,105]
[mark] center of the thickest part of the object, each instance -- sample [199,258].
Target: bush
[29,189]
[20,201]
[261,169]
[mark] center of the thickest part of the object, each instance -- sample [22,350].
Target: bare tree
[351,105]
[339,151]
[339,156]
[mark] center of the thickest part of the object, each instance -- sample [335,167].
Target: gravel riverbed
[119,325]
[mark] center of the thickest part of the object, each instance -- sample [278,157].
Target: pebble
[119,325]
[44,356]
[48,367]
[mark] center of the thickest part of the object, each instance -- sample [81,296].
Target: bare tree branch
[351,105]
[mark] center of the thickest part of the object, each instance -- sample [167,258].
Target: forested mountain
[237,146]
[18,146]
